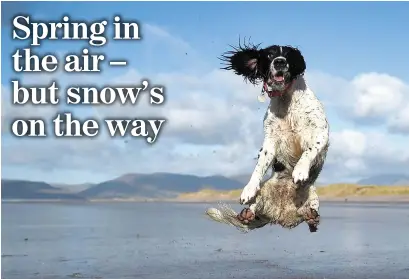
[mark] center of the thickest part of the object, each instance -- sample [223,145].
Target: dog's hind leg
[313,198]
[310,210]
[248,217]
[245,221]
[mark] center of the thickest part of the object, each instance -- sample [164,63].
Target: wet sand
[176,240]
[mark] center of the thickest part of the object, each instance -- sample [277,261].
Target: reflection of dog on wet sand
[296,140]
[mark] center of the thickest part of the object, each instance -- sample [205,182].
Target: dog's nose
[279,62]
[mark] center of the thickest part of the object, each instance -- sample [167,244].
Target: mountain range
[31,190]
[155,185]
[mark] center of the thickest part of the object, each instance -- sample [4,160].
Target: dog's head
[276,66]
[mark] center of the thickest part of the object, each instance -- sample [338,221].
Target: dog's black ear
[244,60]
[296,62]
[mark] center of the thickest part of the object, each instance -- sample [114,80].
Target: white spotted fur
[298,114]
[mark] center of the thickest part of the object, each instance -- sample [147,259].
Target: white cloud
[369,98]
[399,123]
[349,143]
[378,95]
[356,154]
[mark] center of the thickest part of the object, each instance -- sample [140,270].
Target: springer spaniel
[296,141]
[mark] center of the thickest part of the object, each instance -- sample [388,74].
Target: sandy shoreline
[355,199]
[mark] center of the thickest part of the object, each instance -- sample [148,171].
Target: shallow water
[170,240]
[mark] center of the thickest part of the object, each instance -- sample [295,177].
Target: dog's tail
[225,214]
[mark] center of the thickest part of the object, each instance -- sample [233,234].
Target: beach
[176,240]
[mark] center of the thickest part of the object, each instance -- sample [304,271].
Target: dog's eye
[270,56]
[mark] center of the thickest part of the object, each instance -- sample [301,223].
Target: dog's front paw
[301,173]
[249,192]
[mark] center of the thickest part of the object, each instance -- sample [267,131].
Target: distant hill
[31,190]
[72,188]
[386,179]
[243,179]
[157,185]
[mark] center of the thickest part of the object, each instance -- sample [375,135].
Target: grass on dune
[330,191]
[344,190]
[209,193]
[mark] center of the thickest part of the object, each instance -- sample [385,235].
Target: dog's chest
[283,124]
[282,119]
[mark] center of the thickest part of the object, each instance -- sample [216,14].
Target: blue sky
[356,64]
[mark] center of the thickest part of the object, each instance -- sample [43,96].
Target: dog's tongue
[278,78]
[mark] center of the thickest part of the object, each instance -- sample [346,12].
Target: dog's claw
[248,194]
[300,174]
[245,201]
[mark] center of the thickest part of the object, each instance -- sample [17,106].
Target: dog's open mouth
[270,86]
[278,77]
